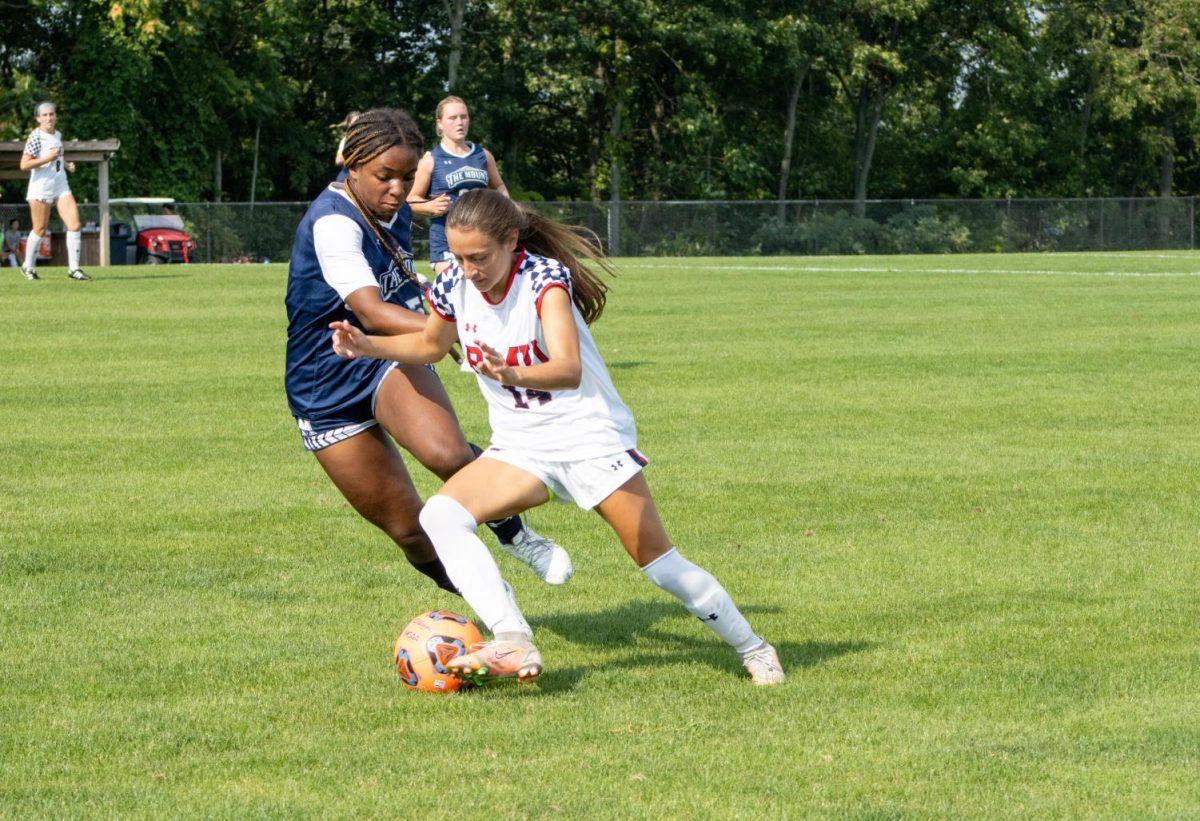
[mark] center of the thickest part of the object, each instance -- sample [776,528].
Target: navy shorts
[439,249]
[339,424]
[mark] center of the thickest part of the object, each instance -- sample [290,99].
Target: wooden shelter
[77,151]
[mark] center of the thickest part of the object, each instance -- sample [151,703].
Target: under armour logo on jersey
[470,328]
[617,465]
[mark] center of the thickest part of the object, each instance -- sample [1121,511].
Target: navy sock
[436,571]
[505,529]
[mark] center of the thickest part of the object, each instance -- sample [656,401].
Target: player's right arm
[418,195]
[29,161]
[337,240]
[423,348]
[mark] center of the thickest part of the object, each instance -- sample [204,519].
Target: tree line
[636,99]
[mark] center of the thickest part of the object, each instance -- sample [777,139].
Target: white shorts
[47,190]
[586,482]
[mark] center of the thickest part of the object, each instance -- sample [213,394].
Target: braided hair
[373,133]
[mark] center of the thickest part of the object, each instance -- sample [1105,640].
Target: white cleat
[493,660]
[763,666]
[550,562]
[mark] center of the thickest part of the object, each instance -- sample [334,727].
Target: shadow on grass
[624,365]
[636,620]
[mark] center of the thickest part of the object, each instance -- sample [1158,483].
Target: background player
[452,167]
[351,261]
[520,304]
[43,159]
[11,243]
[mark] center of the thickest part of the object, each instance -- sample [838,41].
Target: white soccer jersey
[561,425]
[52,174]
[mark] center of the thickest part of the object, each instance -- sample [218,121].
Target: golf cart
[157,238]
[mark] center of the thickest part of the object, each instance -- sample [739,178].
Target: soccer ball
[425,645]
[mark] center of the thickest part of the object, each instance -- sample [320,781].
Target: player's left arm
[564,370]
[429,345]
[495,181]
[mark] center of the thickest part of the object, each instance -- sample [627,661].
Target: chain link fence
[241,232]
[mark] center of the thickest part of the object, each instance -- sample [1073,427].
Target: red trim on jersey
[546,290]
[512,275]
[434,308]
[636,455]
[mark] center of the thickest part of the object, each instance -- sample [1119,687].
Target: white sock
[73,242]
[704,598]
[31,245]
[12,260]
[470,565]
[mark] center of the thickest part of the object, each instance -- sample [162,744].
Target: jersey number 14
[524,397]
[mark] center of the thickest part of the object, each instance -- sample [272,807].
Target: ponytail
[496,215]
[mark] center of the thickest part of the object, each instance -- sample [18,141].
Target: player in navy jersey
[520,303]
[351,261]
[452,167]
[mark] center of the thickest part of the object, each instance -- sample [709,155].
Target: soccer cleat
[763,665]
[493,660]
[30,274]
[79,275]
[547,559]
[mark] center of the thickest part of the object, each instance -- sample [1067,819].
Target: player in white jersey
[520,303]
[47,166]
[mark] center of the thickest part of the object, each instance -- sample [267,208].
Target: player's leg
[413,407]
[39,217]
[369,472]
[68,211]
[632,514]
[485,489]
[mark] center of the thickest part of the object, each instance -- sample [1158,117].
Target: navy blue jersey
[320,385]
[452,175]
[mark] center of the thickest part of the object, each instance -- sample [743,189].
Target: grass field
[958,493]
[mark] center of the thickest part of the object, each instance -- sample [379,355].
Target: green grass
[959,493]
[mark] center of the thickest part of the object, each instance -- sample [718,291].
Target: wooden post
[105,250]
[254,171]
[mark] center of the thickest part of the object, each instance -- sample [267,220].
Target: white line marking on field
[972,271]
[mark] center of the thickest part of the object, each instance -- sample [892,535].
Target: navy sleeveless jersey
[453,175]
[318,382]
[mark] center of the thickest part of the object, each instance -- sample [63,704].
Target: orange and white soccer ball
[425,645]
